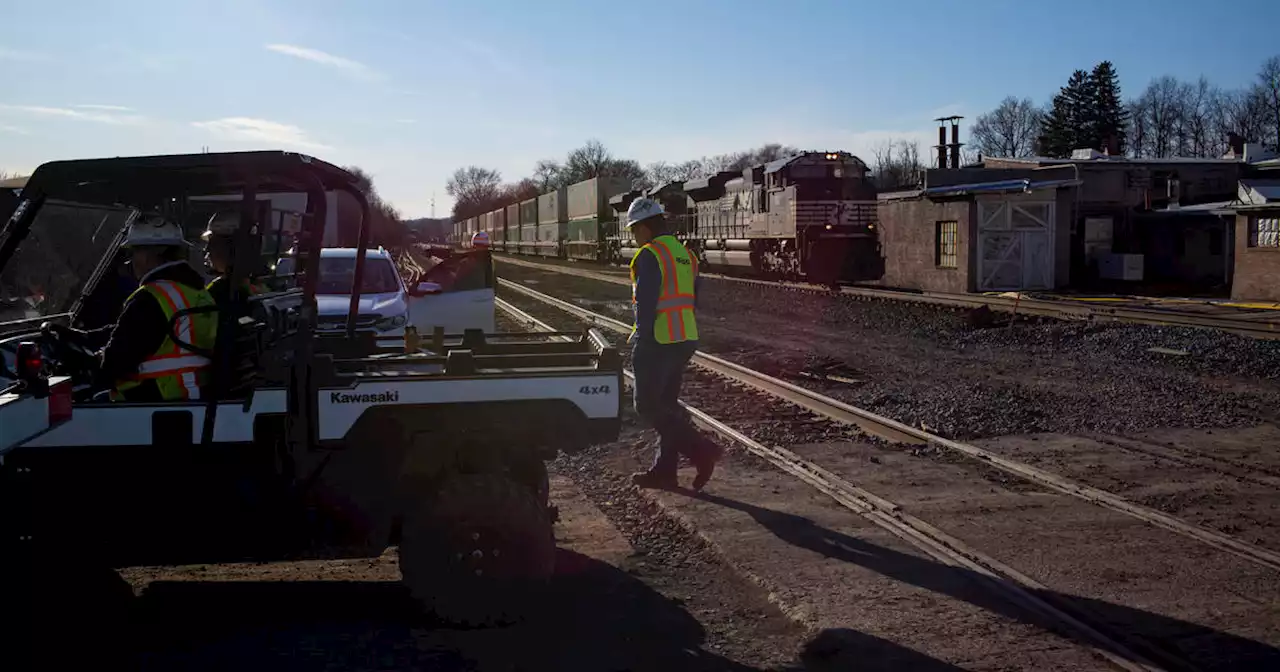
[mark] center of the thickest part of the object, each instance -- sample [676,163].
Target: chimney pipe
[955,143]
[1236,142]
[942,145]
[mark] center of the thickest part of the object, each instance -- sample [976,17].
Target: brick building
[1256,274]
[957,234]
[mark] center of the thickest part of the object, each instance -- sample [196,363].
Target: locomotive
[807,216]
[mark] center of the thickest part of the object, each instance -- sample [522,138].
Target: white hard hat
[480,239]
[642,209]
[223,223]
[154,231]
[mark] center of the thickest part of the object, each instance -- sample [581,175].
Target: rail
[893,430]
[1011,584]
[1019,306]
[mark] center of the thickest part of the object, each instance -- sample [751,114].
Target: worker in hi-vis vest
[142,361]
[664,286]
[220,253]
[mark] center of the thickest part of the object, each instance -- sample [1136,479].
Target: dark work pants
[659,370]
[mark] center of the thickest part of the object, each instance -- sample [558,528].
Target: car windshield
[64,246]
[337,274]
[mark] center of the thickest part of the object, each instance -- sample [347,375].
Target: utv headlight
[389,323]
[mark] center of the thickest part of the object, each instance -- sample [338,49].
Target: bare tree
[1162,111]
[1242,112]
[1198,101]
[661,172]
[546,174]
[519,191]
[1268,89]
[588,161]
[475,190]
[1010,130]
[896,164]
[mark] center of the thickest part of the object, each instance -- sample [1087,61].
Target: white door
[1015,240]
[464,299]
[456,311]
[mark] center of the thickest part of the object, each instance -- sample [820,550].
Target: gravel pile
[1196,350]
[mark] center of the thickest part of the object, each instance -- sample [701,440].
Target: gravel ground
[1002,519]
[934,368]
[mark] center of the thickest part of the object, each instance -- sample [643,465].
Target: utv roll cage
[164,184]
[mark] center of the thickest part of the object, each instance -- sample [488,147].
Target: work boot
[655,480]
[709,454]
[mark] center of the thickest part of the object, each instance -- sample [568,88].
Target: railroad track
[1244,326]
[892,430]
[1125,652]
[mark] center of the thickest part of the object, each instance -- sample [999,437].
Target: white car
[443,297]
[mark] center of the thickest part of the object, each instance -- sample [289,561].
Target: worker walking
[664,283]
[141,360]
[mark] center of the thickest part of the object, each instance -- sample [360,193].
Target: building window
[1264,232]
[946,250]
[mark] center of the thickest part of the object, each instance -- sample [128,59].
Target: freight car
[592,223]
[811,215]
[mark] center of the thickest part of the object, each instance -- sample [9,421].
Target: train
[810,216]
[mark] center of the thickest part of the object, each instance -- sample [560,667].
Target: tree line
[477,190]
[1170,117]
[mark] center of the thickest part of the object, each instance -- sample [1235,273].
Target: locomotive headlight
[828,227]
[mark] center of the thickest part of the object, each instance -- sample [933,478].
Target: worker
[664,282]
[219,252]
[141,361]
[480,240]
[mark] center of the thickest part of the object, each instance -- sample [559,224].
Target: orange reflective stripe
[668,264]
[173,308]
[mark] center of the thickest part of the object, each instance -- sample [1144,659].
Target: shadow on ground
[1207,649]
[600,619]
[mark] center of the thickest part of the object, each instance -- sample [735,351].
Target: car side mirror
[426,289]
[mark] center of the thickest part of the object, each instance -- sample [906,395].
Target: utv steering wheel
[68,348]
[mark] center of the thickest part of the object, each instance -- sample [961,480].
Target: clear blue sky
[410,90]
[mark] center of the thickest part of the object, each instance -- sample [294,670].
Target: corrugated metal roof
[1110,160]
[1218,208]
[1002,186]
[1262,191]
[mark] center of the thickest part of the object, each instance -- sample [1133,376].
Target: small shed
[1000,235]
[1256,275]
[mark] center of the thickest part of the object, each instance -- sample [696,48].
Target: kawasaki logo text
[375,398]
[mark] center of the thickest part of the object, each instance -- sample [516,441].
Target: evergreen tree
[1066,124]
[1109,116]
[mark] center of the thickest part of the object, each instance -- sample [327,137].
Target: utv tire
[533,474]
[480,553]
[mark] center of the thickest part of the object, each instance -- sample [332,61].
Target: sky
[410,90]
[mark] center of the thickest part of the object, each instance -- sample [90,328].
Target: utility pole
[433,205]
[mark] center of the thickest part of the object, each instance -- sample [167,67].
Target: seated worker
[141,361]
[219,238]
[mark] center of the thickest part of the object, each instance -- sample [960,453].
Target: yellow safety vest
[675,321]
[177,372]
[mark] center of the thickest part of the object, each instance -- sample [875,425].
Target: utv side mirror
[426,288]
